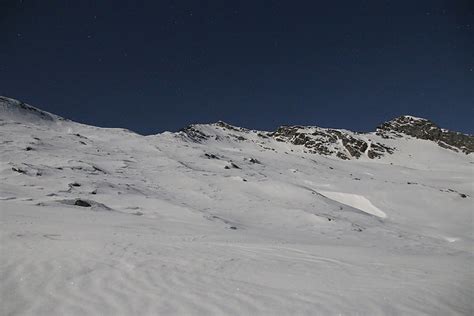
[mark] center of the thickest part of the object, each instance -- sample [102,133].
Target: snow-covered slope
[217,219]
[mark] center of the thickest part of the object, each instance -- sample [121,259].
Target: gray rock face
[82,203]
[342,143]
[194,134]
[425,129]
[323,141]
[230,127]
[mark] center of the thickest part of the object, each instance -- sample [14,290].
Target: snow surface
[414,118]
[356,201]
[172,231]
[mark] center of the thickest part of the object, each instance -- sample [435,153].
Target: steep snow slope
[222,220]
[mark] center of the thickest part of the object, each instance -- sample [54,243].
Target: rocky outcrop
[337,142]
[425,129]
[193,133]
[343,144]
[227,126]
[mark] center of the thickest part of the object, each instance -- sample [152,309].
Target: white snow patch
[451,239]
[414,118]
[357,201]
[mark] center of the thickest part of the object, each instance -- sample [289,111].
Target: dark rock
[82,203]
[233,227]
[253,160]
[342,156]
[328,142]
[211,156]
[98,169]
[463,195]
[19,170]
[347,145]
[80,136]
[194,134]
[377,150]
[28,148]
[74,184]
[228,126]
[425,129]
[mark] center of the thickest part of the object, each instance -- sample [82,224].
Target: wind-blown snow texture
[217,219]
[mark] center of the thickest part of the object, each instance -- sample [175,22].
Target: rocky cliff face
[340,143]
[343,144]
[425,129]
[323,141]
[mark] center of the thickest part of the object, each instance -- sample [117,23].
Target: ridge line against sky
[154,66]
[244,127]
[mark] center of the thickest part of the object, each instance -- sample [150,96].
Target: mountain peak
[425,129]
[14,110]
[410,118]
[229,126]
[338,142]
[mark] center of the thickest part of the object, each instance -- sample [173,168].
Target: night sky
[152,66]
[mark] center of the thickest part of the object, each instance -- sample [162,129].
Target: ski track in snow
[227,227]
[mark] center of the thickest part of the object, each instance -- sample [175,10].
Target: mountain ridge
[226,220]
[342,143]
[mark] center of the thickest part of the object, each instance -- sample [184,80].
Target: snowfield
[102,221]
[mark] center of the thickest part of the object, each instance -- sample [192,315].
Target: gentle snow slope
[237,224]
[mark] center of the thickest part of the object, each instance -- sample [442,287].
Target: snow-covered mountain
[218,219]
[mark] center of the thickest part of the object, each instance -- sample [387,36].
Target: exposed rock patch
[194,134]
[211,156]
[340,143]
[425,129]
[82,203]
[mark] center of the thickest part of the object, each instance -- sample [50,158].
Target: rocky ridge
[339,143]
[11,109]
[342,143]
[425,129]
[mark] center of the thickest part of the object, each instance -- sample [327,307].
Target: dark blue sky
[159,65]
